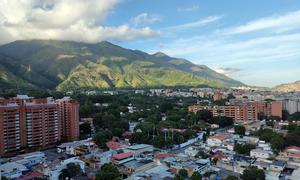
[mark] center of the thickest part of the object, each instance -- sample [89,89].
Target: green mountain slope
[68,65]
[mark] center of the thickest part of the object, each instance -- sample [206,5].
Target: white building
[263,145]
[54,170]
[291,105]
[12,170]
[217,140]
[70,147]
[259,153]
[138,149]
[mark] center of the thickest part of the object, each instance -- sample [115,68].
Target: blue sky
[256,42]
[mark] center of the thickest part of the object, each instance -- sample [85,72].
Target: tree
[166,106]
[220,102]
[223,121]
[183,173]
[204,139]
[102,137]
[196,176]
[231,178]
[204,115]
[285,115]
[277,143]
[243,148]
[108,172]
[252,172]
[276,118]
[266,134]
[85,129]
[239,130]
[292,139]
[230,96]
[261,116]
[70,171]
[294,117]
[178,177]
[4,178]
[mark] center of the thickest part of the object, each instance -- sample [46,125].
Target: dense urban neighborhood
[178,133]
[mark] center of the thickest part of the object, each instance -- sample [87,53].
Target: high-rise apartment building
[238,113]
[28,123]
[243,111]
[69,109]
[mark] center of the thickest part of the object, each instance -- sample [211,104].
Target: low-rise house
[191,151]
[263,145]
[31,175]
[217,140]
[136,166]
[30,159]
[53,169]
[113,145]
[229,145]
[76,147]
[139,149]
[122,158]
[157,172]
[260,153]
[12,170]
[275,170]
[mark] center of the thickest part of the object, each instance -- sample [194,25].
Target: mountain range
[67,65]
[288,87]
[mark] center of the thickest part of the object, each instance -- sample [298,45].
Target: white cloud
[199,23]
[279,23]
[228,71]
[216,50]
[145,19]
[189,9]
[78,20]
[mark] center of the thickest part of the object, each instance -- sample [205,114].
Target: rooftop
[139,146]
[122,155]
[278,163]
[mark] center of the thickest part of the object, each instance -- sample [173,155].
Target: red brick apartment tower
[217,95]
[28,123]
[272,108]
[69,113]
[42,123]
[10,123]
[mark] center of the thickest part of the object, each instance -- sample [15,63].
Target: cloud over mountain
[79,20]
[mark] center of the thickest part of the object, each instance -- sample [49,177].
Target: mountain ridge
[65,65]
[288,87]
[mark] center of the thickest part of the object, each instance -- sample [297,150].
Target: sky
[256,42]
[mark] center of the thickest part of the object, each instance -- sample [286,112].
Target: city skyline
[253,42]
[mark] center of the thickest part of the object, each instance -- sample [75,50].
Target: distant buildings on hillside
[245,111]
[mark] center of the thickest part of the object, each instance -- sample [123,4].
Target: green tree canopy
[108,172]
[102,137]
[239,130]
[204,115]
[196,176]
[252,173]
[70,171]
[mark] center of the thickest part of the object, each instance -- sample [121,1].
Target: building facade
[69,112]
[243,111]
[28,123]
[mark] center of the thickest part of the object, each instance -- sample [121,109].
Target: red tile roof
[221,136]
[218,155]
[161,156]
[113,145]
[30,175]
[296,156]
[293,147]
[122,155]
